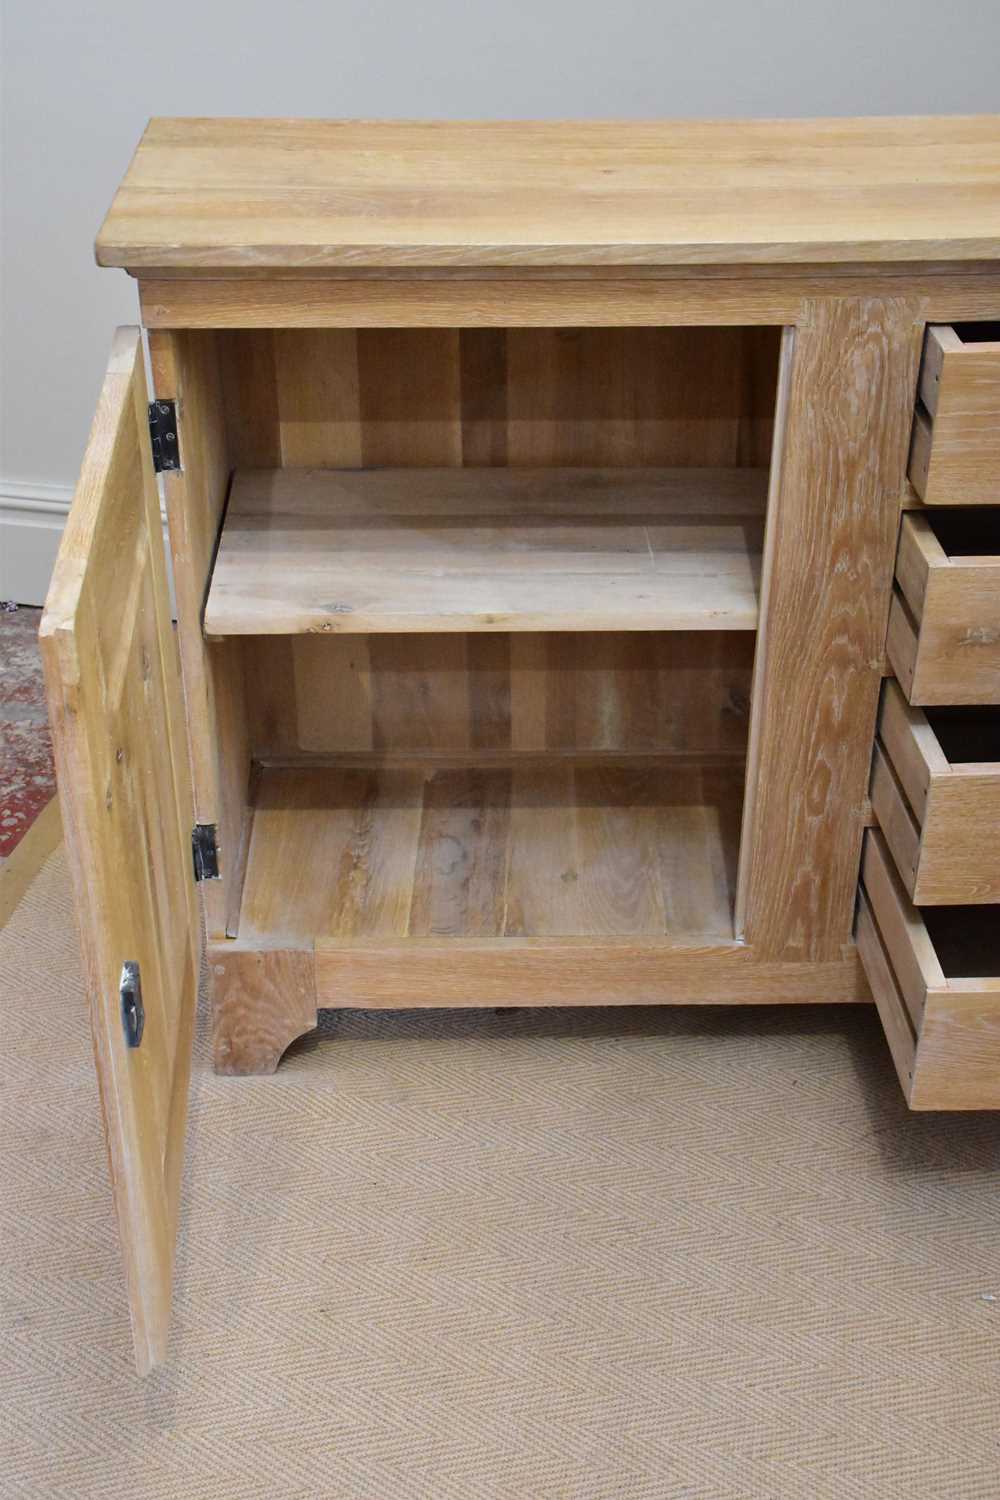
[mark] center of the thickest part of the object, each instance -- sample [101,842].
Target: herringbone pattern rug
[587,1255]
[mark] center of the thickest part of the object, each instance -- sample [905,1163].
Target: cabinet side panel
[187,369]
[834,520]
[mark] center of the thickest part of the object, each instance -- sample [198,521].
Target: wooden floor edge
[29,854]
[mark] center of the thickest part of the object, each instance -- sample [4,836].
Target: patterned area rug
[27,778]
[586,1255]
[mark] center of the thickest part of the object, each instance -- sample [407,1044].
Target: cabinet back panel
[664,691]
[563,396]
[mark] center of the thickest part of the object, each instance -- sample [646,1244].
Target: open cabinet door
[113,682]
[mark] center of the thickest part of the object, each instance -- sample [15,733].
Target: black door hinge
[205,850]
[163,435]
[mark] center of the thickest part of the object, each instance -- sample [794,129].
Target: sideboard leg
[261,1001]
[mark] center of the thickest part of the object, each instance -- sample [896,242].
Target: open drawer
[955,449]
[936,794]
[935,976]
[944,623]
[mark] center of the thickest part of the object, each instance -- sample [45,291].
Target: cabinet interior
[376,504]
[966,530]
[967,735]
[965,939]
[985,331]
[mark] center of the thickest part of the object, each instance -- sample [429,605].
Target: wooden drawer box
[944,623]
[936,793]
[935,976]
[955,451]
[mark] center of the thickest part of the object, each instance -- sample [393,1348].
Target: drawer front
[944,625]
[940,819]
[944,1033]
[955,451]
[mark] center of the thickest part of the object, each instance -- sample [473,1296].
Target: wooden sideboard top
[218,196]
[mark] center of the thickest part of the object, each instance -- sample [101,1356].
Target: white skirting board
[32,517]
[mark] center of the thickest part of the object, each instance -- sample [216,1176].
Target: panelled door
[114,691]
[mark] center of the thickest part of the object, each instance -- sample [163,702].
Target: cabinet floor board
[619,848]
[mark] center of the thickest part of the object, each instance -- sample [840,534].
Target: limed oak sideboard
[586,550]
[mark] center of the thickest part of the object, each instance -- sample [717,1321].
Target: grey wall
[80,81]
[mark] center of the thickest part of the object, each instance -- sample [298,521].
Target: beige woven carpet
[535,1255]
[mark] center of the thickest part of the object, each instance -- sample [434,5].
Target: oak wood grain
[262,1001]
[186,369]
[911,953]
[117,724]
[207,195]
[599,397]
[940,816]
[737,298]
[668,692]
[942,1022]
[643,970]
[381,550]
[532,847]
[945,646]
[834,520]
[956,441]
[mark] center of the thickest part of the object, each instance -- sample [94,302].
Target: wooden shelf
[377,550]
[367,847]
